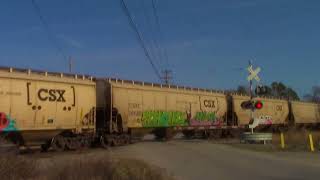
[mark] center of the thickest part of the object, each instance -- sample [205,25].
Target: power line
[167,73]
[154,7]
[155,46]
[47,29]
[139,36]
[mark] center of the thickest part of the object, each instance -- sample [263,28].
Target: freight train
[69,111]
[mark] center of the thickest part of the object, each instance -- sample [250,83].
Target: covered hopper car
[69,111]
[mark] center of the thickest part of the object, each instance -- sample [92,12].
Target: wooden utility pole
[70,64]
[167,76]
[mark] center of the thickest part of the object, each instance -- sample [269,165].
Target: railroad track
[7,146]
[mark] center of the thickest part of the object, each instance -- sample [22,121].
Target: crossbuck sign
[253,73]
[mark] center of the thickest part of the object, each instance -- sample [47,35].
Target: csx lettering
[209,103]
[279,108]
[51,95]
[134,105]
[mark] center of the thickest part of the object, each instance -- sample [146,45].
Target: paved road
[204,160]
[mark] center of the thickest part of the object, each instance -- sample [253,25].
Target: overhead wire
[154,43]
[140,38]
[47,29]
[163,49]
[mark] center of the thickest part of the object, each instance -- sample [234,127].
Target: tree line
[280,90]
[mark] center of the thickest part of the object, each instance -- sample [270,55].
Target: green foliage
[276,89]
[242,90]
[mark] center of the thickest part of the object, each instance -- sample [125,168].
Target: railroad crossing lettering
[253,73]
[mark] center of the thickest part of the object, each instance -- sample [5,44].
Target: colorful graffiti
[263,120]
[163,119]
[7,123]
[175,118]
[204,119]
[266,120]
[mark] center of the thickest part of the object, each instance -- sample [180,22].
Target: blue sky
[207,41]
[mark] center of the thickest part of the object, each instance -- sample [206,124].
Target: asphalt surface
[198,159]
[201,159]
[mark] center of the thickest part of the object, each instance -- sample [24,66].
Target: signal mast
[252,104]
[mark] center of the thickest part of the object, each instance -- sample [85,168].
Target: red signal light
[258,105]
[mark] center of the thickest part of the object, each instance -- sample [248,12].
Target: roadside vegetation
[79,168]
[295,140]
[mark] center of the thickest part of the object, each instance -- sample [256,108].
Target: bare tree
[314,96]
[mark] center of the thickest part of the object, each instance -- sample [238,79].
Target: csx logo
[209,103]
[279,108]
[51,95]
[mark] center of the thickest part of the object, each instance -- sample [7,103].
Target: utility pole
[167,76]
[70,64]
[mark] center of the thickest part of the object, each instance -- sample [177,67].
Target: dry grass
[298,140]
[80,168]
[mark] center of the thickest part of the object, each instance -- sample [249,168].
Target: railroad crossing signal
[251,104]
[253,73]
[258,104]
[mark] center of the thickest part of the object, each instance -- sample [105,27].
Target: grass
[81,168]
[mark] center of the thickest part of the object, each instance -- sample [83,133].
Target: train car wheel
[159,133]
[105,142]
[128,139]
[69,143]
[85,143]
[76,143]
[165,134]
[72,143]
[58,143]
[114,142]
[170,134]
[216,134]
[206,134]
[45,147]
[189,134]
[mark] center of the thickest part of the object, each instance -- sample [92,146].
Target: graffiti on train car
[176,118]
[7,123]
[265,120]
[204,119]
[163,118]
